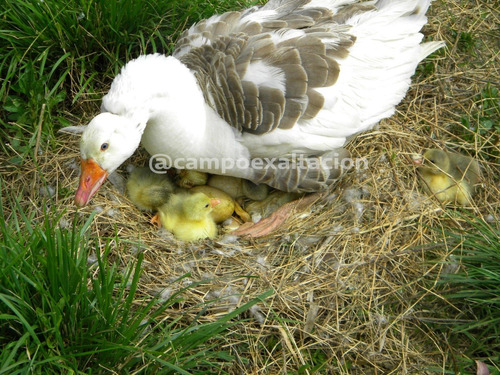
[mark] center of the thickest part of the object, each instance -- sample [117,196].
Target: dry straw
[350,273]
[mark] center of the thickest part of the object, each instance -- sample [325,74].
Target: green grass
[54,52]
[465,41]
[479,123]
[62,312]
[484,122]
[473,290]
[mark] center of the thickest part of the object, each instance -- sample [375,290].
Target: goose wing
[260,69]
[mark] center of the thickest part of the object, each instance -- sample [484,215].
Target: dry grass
[350,275]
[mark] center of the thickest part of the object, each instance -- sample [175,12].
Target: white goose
[245,91]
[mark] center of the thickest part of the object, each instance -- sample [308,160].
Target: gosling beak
[214,202]
[417,159]
[91,178]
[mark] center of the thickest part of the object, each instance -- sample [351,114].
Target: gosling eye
[104,146]
[207,205]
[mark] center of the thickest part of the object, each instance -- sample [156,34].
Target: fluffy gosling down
[188,178]
[188,216]
[227,206]
[149,190]
[239,187]
[450,177]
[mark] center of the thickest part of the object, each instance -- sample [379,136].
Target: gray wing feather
[220,50]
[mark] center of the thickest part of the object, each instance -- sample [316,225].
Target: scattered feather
[111,213]
[263,263]
[77,129]
[64,224]
[74,165]
[490,218]
[91,259]
[47,191]
[256,217]
[228,239]
[353,196]
[311,316]
[118,181]
[165,294]
[256,313]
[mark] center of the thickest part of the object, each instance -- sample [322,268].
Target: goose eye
[104,146]
[207,205]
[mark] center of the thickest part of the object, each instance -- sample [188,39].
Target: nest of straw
[350,273]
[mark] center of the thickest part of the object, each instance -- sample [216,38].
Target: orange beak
[91,179]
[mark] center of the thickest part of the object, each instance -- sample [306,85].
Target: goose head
[106,143]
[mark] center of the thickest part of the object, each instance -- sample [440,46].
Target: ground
[351,275]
